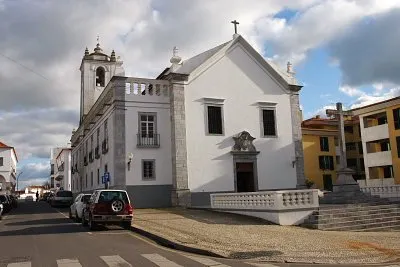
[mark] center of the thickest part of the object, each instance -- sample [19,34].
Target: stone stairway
[381,215]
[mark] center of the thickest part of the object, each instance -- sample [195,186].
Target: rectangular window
[147,124]
[214,120]
[98,137]
[105,130]
[337,159]
[98,176]
[396,118]
[269,123]
[91,179]
[91,143]
[148,169]
[326,163]
[352,164]
[324,143]
[382,120]
[105,168]
[385,146]
[398,146]
[350,146]
[388,171]
[348,129]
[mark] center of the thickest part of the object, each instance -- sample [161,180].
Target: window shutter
[269,122]
[398,146]
[331,166]
[321,162]
[321,143]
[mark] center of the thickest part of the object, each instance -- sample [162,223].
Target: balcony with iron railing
[61,167]
[148,140]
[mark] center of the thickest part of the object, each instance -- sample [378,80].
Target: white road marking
[160,260]
[115,261]
[68,263]
[62,214]
[206,261]
[20,264]
[261,264]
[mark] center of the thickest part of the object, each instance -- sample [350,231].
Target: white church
[225,120]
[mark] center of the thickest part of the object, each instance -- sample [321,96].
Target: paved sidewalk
[241,237]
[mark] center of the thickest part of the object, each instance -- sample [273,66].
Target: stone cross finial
[175,51]
[235,23]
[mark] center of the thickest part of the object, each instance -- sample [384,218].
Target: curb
[171,244]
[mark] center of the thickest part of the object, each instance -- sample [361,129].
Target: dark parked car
[62,198]
[45,196]
[5,200]
[14,201]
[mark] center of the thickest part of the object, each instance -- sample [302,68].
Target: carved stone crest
[243,142]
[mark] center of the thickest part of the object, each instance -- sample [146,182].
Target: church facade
[225,120]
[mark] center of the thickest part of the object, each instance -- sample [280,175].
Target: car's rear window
[86,198]
[107,196]
[64,194]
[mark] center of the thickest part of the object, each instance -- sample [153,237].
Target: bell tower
[97,69]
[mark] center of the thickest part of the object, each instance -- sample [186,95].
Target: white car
[75,210]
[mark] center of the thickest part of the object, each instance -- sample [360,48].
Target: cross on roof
[235,23]
[338,111]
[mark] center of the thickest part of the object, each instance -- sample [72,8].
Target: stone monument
[345,190]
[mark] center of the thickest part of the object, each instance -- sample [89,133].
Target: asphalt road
[37,235]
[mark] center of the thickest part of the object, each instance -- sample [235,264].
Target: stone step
[362,226]
[380,229]
[330,210]
[353,217]
[354,213]
[341,224]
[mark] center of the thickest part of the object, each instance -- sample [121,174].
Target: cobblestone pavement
[241,237]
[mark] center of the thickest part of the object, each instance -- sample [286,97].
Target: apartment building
[322,153]
[380,139]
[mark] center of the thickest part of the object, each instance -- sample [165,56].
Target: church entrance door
[245,177]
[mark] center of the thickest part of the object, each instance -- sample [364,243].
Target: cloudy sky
[342,50]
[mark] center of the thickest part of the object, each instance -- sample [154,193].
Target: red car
[108,207]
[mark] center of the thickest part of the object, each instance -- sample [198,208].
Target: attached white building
[60,175]
[178,138]
[8,168]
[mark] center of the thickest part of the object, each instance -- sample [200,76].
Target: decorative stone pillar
[180,195]
[297,136]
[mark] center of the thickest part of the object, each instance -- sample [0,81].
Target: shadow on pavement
[30,207]
[45,230]
[42,221]
[214,217]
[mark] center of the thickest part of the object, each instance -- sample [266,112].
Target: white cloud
[368,99]
[351,91]
[319,112]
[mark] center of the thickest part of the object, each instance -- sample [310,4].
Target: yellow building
[321,150]
[380,135]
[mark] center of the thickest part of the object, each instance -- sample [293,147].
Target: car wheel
[92,224]
[126,225]
[77,217]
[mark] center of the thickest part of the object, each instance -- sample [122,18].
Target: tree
[46,185]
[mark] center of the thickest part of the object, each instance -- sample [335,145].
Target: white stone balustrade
[146,87]
[388,191]
[285,207]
